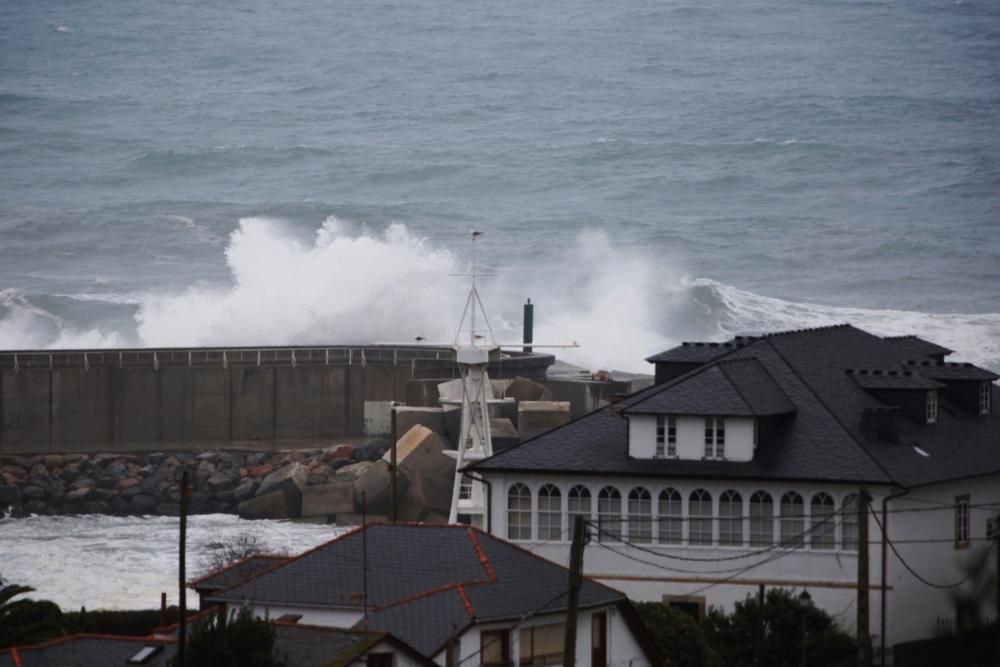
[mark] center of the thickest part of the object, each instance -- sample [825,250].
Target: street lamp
[805,604]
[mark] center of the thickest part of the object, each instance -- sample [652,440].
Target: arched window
[849,523]
[731,519]
[577,503]
[700,513]
[761,519]
[609,514]
[519,512]
[671,517]
[640,515]
[792,520]
[822,528]
[549,513]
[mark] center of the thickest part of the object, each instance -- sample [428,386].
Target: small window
[700,511]
[932,406]
[962,522]
[849,523]
[731,519]
[661,437]
[672,437]
[821,523]
[985,398]
[549,513]
[792,520]
[640,516]
[494,648]
[519,513]
[761,519]
[715,437]
[671,520]
[542,645]
[609,514]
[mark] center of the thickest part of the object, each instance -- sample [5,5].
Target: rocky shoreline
[221,481]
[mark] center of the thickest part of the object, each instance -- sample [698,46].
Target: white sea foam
[26,326]
[107,562]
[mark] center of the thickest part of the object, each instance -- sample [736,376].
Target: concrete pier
[268,397]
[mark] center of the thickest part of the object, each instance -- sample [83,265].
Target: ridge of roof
[460,589]
[232,566]
[481,554]
[807,330]
[149,639]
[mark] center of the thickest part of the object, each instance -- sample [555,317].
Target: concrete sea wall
[263,398]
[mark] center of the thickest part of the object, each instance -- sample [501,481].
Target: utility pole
[575,583]
[182,584]
[760,625]
[864,643]
[392,464]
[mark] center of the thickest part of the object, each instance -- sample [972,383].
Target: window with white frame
[715,437]
[519,512]
[822,527]
[542,645]
[661,436]
[577,504]
[962,523]
[609,514]
[932,406]
[700,517]
[549,513]
[671,437]
[671,517]
[761,519]
[640,516]
[849,523]
[792,524]
[731,519]
[985,398]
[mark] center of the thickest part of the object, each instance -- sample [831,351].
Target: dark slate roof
[315,646]
[943,370]
[234,574]
[914,347]
[740,387]
[85,650]
[692,352]
[822,441]
[423,580]
[891,379]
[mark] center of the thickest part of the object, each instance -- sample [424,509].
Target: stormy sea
[305,172]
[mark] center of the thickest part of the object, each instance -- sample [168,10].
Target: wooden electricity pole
[575,582]
[864,643]
[182,601]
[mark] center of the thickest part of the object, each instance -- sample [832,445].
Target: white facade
[660,567]
[689,436]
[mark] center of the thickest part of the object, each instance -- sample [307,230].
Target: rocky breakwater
[149,483]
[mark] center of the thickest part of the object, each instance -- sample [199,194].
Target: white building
[454,594]
[743,466]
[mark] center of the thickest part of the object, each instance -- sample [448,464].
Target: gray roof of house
[697,352]
[84,650]
[914,347]
[822,441]
[422,581]
[891,379]
[741,387]
[315,646]
[943,370]
[237,572]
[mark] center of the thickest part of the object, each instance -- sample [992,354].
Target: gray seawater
[305,172]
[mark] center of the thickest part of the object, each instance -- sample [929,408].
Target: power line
[520,621]
[921,579]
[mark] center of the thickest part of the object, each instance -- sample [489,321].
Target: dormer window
[985,398]
[715,437]
[666,437]
[932,406]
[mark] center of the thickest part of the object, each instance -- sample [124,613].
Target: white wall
[691,437]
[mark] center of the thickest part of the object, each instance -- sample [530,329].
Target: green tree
[783,624]
[26,621]
[677,634]
[239,640]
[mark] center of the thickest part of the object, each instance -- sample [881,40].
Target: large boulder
[372,485]
[9,495]
[537,417]
[407,417]
[273,505]
[328,499]
[428,472]
[503,434]
[291,477]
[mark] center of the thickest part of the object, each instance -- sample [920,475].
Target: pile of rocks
[148,483]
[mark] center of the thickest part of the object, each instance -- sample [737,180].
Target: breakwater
[199,398]
[143,484]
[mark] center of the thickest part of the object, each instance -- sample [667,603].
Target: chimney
[883,422]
